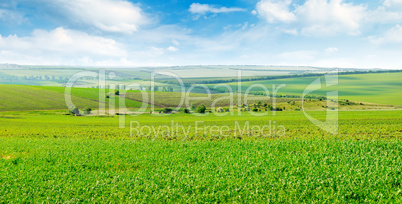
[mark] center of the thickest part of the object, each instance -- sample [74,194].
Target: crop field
[47,156]
[382,88]
[15,97]
[239,155]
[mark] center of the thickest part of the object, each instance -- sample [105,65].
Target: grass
[17,97]
[49,157]
[380,88]
[82,170]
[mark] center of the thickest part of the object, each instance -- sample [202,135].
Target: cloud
[172,49]
[58,46]
[331,50]
[11,16]
[301,56]
[393,35]
[117,16]
[275,11]
[315,17]
[396,4]
[321,17]
[202,9]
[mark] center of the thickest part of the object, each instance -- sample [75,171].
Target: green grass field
[46,156]
[380,88]
[17,97]
[49,156]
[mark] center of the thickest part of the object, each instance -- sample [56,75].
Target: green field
[380,88]
[46,156]
[17,97]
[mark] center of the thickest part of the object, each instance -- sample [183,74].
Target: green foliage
[87,110]
[73,110]
[167,110]
[201,109]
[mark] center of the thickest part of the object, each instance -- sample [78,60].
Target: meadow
[379,88]
[47,156]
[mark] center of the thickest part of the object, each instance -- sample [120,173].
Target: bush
[167,110]
[201,109]
[74,111]
[186,110]
[87,110]
[116,92]
[255,109]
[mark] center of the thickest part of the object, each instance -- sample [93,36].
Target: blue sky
[330,33]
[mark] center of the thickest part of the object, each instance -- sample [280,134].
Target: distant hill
[22,97]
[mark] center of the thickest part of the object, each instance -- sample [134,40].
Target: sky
[130,33]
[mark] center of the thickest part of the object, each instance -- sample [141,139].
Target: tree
[201,109]
[87,110]
[74,111]
[117,92]
[167,110]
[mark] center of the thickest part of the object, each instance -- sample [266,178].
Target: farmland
[47,156]
[381,88]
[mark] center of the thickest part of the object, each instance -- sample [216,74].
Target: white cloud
[321,17]
[11,16]
[393,3]
[331,50]
[172,49]
[315,17]
[197,8]
[59,46]
[118,16]
[275,10]
[301,55]
[393,35]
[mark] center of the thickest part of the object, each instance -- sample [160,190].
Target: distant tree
[87,110]
[201,109]
[74,111]
[167,110]
[117,92]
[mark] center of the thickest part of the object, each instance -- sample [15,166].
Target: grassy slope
[383,88]
[15,97]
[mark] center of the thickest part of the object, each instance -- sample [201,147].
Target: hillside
[22,97]
[379,88]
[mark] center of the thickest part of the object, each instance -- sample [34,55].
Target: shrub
[87,110]
[201,109]
[74,111]
[167,110]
